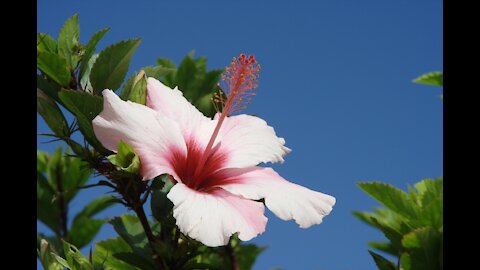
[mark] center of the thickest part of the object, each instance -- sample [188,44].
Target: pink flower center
[186,166]
[197,169]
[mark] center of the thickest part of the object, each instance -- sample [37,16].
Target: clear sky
[335,83]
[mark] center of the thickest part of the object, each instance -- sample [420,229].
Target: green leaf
[385,247]
[161,206]
[169,79]
[47,212]
[150,71]
[52,115]
[54,243]
[392,233]
[54,168]
[365,217]
[83,230]
[76,174]
[105,251]
[48,260]
[75,259]
[85,78]
[209,83]
[68,41]
[201,64]
[130,229]
[54,66]
[42,160]
[424,246]
[204,104]
[96,206]
[186,77]
[391,197]
[46,43]
[111,65]
[406,261]
[139,90]
[381,262]
[135,260]
[431,202]
[125,158]
[90,51]
[48,88]
[431,78]
[62,261]
[85,107]
[247,254]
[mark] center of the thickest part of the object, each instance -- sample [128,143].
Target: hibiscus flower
[219,186]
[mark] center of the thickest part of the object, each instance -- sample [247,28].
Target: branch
[138,208]
[232,256]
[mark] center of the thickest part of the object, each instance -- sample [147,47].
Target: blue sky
[335,83]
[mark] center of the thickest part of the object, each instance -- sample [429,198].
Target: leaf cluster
[412,222]
[71,77]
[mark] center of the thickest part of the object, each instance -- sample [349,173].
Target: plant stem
[138,208]
[231,255]
[61,205]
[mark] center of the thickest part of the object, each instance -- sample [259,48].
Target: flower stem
[160,264]
[62,206]
[232,256]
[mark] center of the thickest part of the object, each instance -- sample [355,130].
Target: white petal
[154,138]
[213,217]
[246,140]
[172,104]
[285,199]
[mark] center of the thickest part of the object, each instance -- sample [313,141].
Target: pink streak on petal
[248,140]
[212,217]
[151,135]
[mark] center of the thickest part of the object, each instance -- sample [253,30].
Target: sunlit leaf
[52,115]
[54,66]
[68,41]
[431,78]
[111,66]
[381,262]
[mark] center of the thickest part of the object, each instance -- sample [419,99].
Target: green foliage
[85,107]
[432,78]
[381,262]
[125,159]
[104,255]
[111,66]
[52,115]
[194,81]
[136,92]
[74,258]
[130,229]
[68,45]
[54,66]
[46,43]
[89,52]
[58,180]
[412,222]
[48,260]
[161,206]
[73,75]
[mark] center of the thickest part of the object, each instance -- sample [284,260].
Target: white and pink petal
[285,199]
[245,140]
[153,137]
[212,217]
[172,104]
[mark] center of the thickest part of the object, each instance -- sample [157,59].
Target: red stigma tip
[238,83]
